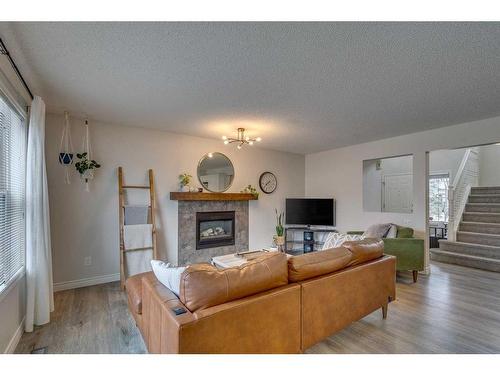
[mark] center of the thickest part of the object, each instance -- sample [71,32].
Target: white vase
[185,189]
[87,175]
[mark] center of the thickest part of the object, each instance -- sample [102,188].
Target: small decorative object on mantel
[184,180]
[66,148]
[279,238]
[251,190]
[86,165]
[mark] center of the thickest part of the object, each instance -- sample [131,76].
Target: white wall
[86,224]
[373,178]
[338,173]
[12,312]
[372,186]
[446,161]
[489,165]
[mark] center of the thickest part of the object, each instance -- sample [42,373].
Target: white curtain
[40,299]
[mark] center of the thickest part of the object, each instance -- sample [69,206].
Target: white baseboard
[15,338]
[80,283]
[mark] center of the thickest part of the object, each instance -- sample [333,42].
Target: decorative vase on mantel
[184,180]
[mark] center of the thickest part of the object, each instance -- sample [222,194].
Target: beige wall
[338,173]
[86,224]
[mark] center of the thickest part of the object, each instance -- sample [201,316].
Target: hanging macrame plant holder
[66,149]
[85,165]
[88,175]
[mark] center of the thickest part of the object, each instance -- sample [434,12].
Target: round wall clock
[268,182]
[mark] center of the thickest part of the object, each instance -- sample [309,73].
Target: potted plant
[279,238]
[86,167]
[184,180]
[251,190]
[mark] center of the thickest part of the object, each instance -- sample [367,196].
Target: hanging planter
[66,148]
[89,174]
[85,165]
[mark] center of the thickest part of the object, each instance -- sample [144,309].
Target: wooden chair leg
[415,276]
[384,311]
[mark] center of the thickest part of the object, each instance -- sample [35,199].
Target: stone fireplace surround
[187,252]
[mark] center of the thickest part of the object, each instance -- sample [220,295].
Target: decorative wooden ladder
[121,203]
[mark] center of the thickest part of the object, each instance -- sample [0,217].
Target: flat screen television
[310,211]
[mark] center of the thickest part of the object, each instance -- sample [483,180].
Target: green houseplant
[279,238]
[251,190]
[184,180]
[86,167]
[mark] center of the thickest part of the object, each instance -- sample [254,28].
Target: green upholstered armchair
[409,251]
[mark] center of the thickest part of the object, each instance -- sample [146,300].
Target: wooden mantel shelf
[181,196]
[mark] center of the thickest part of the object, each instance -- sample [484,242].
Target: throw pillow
[377,230]
[392,232]
[335,239]
[168,275]
[405,232]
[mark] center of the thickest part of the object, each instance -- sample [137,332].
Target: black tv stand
[309,242]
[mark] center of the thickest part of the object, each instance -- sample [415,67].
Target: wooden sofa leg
[415,276]
[384,311]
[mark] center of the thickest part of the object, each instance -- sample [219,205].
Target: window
[438,197]
[12,186]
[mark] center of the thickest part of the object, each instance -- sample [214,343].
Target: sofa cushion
[377,230]
[133,286]
[203,285]
[168,275]
[393,231]
[404,232]
[335,239]
[317,263]
[364,250]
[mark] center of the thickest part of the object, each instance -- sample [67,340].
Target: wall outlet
[87,261]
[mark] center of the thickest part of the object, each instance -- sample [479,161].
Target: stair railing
[458,192]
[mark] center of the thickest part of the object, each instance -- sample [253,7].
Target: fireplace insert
[214,229]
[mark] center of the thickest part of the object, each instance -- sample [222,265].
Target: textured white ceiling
[303,87]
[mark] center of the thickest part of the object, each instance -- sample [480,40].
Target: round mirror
[215,172]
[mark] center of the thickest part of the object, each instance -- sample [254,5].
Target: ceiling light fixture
[241,140]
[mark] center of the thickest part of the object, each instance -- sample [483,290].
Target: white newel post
[451,214]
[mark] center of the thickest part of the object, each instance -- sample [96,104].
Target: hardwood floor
[454,310]
[87,320]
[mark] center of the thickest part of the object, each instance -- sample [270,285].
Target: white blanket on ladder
[137,236]
[134,237]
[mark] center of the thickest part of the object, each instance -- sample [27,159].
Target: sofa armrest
[161,326]
[360,232]
[409,252]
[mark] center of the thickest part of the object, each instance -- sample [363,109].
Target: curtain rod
[4,51]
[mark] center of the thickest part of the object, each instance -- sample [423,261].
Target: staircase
[477,242]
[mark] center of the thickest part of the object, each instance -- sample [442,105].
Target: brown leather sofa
[269,305]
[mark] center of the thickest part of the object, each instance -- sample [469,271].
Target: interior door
[398,193]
